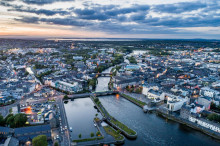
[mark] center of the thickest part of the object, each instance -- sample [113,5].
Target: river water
[152,129]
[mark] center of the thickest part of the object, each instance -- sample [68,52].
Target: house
[51,119]
[67,86]
[77,57]
[154,94]
[5,131]
[206,91]
[132,67]
[205,100]
[24,134]
[194,108]
[175,104]
[205,123]
[122,82]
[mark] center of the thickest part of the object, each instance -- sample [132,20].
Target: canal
[151,129]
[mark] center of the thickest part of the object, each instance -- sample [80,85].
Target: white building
[206,91]
[206,124]
[175,104]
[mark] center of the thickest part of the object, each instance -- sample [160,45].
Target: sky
[162,19]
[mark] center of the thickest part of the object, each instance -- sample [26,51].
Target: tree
[56,144]
[8,116]
[17,120]
[96,100]
[2,121]
[40,140]
[98,133]
[10,122]
[65,97]
[214,117]
[118,131]
[20,120]
[92,134]
[80,135]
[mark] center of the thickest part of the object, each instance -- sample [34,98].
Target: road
[66,141]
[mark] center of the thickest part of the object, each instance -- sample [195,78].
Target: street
[66,141]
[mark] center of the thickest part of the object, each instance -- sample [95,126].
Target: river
[152,129]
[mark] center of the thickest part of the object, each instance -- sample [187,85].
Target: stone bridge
[84,95]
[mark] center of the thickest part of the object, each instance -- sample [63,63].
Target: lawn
[135,100]
[123,127]
[88,139]
[113,133]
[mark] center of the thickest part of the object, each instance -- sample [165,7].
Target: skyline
[179,19]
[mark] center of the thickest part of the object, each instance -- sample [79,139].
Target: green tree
[92,134]
[2,121]
[20,120]
[40,140]
[10,122]
[56,144]
[118,131]
[8,116]
[96,100]
[214,117]
[80,135]
[98,133]
[65,97]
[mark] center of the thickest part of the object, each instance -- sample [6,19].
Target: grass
[113,133]
[123,127]
[96,119]
[88,139]
[114,121]
[135,100]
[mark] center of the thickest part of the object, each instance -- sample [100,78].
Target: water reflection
[80,115]
[152,129]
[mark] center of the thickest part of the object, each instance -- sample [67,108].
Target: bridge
[104,74]
[84,95]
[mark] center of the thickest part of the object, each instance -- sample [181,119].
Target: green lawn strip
[113,133]
[123,127]
[116,122]
[135,100]
[88,139]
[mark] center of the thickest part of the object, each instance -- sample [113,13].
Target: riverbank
[129,133]
[133,100]
[108,132]
[188,123]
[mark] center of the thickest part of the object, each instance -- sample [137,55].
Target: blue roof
[31,129]
[5,129]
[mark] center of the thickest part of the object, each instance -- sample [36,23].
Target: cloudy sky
[110,18]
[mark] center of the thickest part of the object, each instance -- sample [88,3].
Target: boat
[71,129]
[95,125]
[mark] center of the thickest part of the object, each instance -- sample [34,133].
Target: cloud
[179,7]
[70,21]
[39,11]
[133,19]
[43,2]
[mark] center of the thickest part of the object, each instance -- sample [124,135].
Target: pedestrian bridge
[98,93]
[104,74]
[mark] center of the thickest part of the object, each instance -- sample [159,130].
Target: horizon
[136,19]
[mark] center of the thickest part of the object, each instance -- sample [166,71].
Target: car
[57,136]
[65,127]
